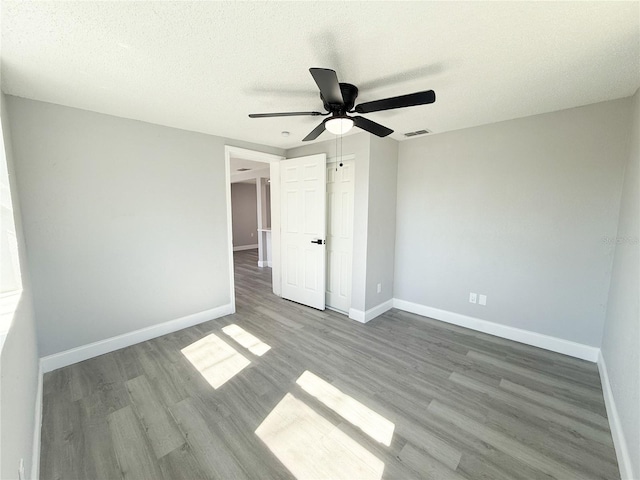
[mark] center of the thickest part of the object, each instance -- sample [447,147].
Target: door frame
[274,167]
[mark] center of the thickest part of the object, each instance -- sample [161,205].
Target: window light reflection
[217,361]
[371,423]
[312,447]
[248,341]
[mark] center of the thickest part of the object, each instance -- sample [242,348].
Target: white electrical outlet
[379,287]
[21,470]
[482,300]
[251,234]
[473,297]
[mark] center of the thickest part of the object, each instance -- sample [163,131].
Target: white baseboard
[37,429]
[264,263]
[364,317]
[559,345]
[84,352]
[619,442]
[245,247]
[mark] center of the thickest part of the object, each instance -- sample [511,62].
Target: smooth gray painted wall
[381,228]
[621,339]
[358,145]
[125,222]
[19,359]
[518,211]
[244,211]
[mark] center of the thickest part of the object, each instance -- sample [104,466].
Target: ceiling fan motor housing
[349,95]
[339,100]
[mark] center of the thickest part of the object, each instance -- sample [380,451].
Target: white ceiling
[236,163]
[248,176]
[204,66]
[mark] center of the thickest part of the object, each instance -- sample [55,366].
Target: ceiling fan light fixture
[339,125]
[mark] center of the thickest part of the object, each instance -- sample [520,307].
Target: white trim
[238,177]
[559,345]
[245,247]
[84,352]
[254,155]
[615,425]
[364,317]
[337,310]
[227,178]
[357,315]
[265,263]
[37,429]
[276,275]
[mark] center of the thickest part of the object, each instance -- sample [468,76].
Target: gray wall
[621,339]
[381,228]
[19,359]
[518,211]
[244,211]
[358,145]
[125,222]
[267,189]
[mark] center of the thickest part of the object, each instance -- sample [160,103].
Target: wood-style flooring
[279,390]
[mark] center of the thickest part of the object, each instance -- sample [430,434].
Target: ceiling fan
[339,100]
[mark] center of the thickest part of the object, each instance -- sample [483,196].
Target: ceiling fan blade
[371,126]
[315,133]
[284,114]
[410,100]
[327,81]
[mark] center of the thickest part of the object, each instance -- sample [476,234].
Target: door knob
[319,242]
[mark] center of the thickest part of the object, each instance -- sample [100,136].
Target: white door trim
[273,161]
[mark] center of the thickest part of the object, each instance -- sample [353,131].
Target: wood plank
[584,392]
[161,430]
[135,456]
[508,444]
[556,404]
[181,463]
[425,465]
[215,457]
[462,403]
[572,425]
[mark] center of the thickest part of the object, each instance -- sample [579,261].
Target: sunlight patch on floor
[312,447]
[217,361]
[371,423]
[248,341]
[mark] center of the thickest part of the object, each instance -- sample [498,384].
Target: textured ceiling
[204,66]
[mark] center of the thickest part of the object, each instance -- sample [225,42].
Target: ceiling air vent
[244,169]
[417,132]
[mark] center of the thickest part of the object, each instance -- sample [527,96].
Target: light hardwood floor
[295,392]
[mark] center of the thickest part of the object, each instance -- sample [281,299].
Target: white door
[302,226]
[340,188]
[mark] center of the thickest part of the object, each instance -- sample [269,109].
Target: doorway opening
[253,183]
[252,217]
